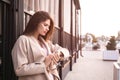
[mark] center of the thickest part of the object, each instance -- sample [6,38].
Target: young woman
[34,56]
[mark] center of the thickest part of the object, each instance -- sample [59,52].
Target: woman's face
[43,27]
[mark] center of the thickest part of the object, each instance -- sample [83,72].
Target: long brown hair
[37,18]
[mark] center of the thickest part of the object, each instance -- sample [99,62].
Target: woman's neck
[35,35]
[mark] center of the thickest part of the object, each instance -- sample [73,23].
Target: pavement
[91,67]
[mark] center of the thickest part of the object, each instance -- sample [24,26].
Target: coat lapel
[46,45]
[36,50]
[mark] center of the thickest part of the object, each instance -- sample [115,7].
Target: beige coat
[28,59]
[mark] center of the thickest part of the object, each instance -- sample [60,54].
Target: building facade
[14,15]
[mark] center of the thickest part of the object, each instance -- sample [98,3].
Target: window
[28,10]
[31,6]
[56,14]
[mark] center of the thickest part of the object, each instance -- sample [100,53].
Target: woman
[34,56]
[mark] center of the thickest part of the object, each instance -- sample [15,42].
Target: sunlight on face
[43,27]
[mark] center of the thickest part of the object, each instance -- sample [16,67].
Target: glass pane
[26,5]
[56,14]
[29,6]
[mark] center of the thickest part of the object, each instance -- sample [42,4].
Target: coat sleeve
[20,61]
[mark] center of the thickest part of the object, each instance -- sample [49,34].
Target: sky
[100,17]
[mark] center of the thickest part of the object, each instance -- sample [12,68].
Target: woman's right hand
[52,58]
